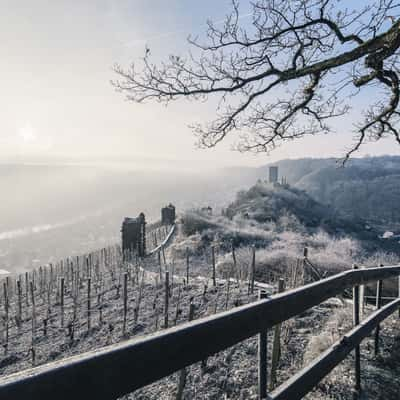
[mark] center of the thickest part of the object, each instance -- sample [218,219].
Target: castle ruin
[273,174]
[168,215]
[134,235]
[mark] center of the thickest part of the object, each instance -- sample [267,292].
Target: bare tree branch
[285,75]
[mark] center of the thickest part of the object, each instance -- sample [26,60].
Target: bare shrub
[194,222]
[338,323]
[191,244]
[226,267]
[381,257]
[333,254]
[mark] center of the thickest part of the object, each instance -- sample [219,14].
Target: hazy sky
[56,99]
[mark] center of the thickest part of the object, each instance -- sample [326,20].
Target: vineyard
[108,296]
[102,298]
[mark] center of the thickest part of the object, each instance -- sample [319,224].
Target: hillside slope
[295,209]
[367,188]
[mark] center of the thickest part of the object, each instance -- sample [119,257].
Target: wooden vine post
[183,373]
[253,268]
[213,265]
[89,282]
[155,239]
[45,327]
[159,264]
[276,347]
[228,285]
[27,289]
[125,302]
[6,316]
[33,354]
[100,304]
[166,299]
[33,310]
[139,297]
[172,278]
[188,266]
[48,300]
[356,321]
[262,358]
[177,305]
[41,282]
[34,279]
[234,262]
[305,256]
[62,301]
[19,290]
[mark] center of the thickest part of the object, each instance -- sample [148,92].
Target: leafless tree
[286,74]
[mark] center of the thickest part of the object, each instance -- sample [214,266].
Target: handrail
[164,242]
[119,369]
[303,382]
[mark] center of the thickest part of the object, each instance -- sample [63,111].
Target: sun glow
[27,134]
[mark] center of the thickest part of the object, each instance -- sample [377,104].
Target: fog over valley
[53,211]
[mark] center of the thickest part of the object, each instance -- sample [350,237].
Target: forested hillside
[293,209]
[367,188]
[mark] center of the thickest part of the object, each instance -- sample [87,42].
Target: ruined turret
[168,215]
[273,174]
[134,235]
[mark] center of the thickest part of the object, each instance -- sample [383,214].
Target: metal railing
[122,368]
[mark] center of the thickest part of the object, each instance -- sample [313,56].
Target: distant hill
[367,188]
[265,202]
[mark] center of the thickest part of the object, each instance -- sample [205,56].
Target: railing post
[262,358]
[399,291]
[276,345]
[378,304]
[362,299]
[356,321]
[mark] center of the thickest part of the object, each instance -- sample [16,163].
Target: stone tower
[168,215]
[273,174]
[134,235]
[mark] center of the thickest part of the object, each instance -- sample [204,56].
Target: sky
[57,103]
